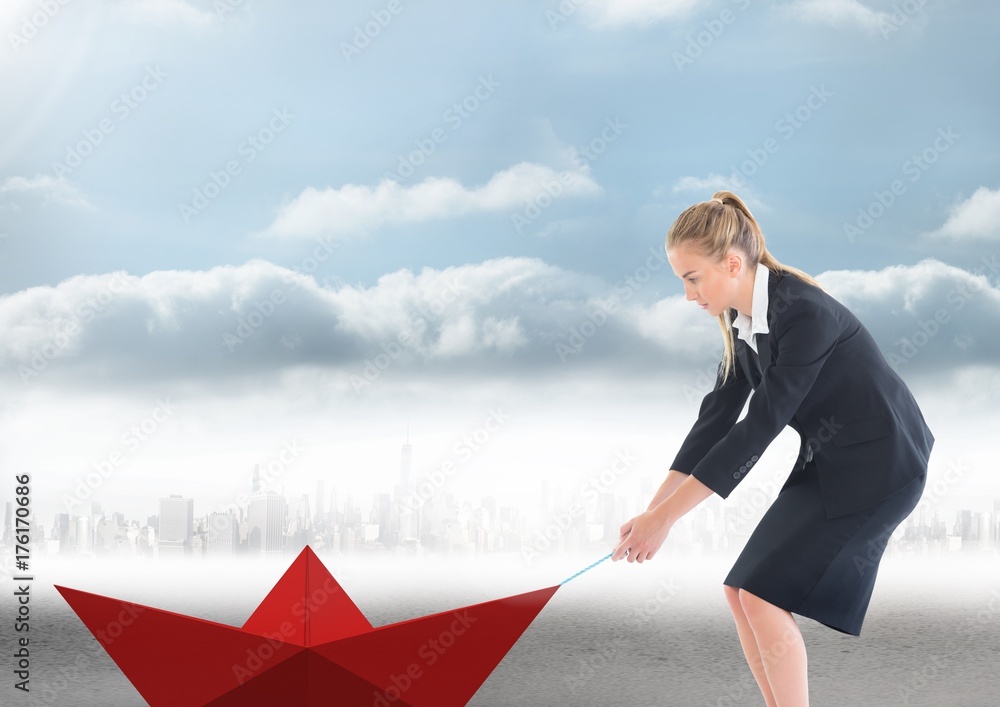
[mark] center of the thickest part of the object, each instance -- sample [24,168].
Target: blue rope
[585,569]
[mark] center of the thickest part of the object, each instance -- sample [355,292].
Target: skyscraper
[381,516]
[986,540]
[62,532]
[320,519]
[405,511]
[176,526]
[335,513]
[966,529]
[223,534]
[266,520]
[84,536]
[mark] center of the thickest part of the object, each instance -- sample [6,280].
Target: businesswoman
[862,460]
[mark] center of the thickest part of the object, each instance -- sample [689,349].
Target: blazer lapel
[745,357]
[763,341]
[754,365]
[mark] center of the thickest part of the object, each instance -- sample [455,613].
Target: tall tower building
[62,531]
[320,518]
[406,512]
[266,515]
[302,515]
[223,534]
[967,530]
[381,516]
[986,540]
[176,526]
[336,517]
[84,536]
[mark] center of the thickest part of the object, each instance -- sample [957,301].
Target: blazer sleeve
[807,334]
[719,410]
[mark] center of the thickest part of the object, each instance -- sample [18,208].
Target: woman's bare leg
[749,643]
[782,650]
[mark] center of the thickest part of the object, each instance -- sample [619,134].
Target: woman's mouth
[705,306]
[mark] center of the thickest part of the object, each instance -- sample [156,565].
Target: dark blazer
[820,372]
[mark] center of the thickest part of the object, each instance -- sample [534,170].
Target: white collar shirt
[746,326]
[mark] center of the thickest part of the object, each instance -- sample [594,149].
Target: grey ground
[656,634]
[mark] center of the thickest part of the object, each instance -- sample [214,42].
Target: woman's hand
[642,536]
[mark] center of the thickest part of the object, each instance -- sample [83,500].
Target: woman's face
[709,284]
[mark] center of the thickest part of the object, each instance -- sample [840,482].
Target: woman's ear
[734,263]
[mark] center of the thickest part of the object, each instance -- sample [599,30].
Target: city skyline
[430,481]
[271,524]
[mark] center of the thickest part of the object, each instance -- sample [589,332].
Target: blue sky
[216,82]
[499,167]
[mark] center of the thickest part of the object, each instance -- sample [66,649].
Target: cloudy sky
[238,233]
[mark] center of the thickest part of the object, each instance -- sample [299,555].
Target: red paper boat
[307,644]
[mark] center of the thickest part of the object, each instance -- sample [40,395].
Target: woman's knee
[751,603]
[757,609]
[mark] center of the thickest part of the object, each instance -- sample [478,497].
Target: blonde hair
[714,227]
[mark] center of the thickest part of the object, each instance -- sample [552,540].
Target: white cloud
[930,316]
[167,12]
[837,13]
[502,318]
[978,217]
[49,188]
[711,184]
[505,335]
[706,186]
[227,322]
[619,13]
[353,209]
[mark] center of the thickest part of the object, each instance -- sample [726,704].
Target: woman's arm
[642,536]
[673,480]
[687,496]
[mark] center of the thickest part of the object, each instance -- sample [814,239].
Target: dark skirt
[822,569]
